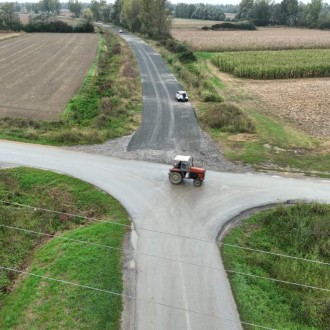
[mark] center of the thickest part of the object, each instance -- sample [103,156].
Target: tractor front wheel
[175,177]
[197,182]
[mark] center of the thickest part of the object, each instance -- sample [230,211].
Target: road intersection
[180,282]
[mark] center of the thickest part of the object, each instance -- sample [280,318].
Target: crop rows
[262,39]
[275,64]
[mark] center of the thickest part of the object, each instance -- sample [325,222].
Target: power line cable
[170,234]
[169,259]
[131,297]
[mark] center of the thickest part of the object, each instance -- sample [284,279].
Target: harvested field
[41,72]
[9,35]
[303,102]
[262,39]
[196,24]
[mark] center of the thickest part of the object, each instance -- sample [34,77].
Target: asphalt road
[166,123]
[181,283]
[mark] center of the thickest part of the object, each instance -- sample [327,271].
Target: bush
[57,27]
[211,97]
[243,25]
[83,27]
[246,25]
[229,118]
[187,56]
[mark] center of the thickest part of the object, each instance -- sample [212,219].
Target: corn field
[275,64]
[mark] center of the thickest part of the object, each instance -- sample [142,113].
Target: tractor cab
[183,168]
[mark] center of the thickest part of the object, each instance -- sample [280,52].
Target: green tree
[95,7]
[52,6]
[155,18]
[75,7]
[8,17]
[130,16]
[87,15]
[116,12]
[146,15]
[245,7]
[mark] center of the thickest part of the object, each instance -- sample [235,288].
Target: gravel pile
[210,158]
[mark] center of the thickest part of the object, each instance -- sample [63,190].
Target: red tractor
[183,168]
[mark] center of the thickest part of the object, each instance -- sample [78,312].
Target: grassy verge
[108,104]
[246,134]
[301,230]
[28,302]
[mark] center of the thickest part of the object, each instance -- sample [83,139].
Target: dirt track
[41,72]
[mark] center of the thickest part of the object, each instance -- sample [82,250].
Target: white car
[120,31]
[181,96]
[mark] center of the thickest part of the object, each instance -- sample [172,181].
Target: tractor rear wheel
[197,182]
[175,177]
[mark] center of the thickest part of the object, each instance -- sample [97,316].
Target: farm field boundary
[290,116]
[41,72]
[107,104]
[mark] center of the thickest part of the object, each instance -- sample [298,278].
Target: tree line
[203,11]
[43,17]
[150,17]
[315,14]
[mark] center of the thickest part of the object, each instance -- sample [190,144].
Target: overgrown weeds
[228,117]
[302,231]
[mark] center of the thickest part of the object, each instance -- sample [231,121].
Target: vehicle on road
[181,96]
[120,31]
[183,168]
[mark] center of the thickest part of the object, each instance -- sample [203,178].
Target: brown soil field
[304,103]
[8,35]
[262,39]
[41,72]
[195,24]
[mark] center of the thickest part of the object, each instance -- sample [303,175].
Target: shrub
[246,25]
[187,56]
[211,97]
[83,27]
[242,25]
[229,118]
[42,26]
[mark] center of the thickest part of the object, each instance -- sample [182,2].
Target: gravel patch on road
[211,159]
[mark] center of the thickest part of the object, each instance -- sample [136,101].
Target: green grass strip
[35,303]
[301,230]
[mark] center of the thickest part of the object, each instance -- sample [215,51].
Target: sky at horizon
[211,2]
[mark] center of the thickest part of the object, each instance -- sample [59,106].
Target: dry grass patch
[262,39]
[8,35]
[185,23]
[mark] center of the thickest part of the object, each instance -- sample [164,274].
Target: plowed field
[41,72]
